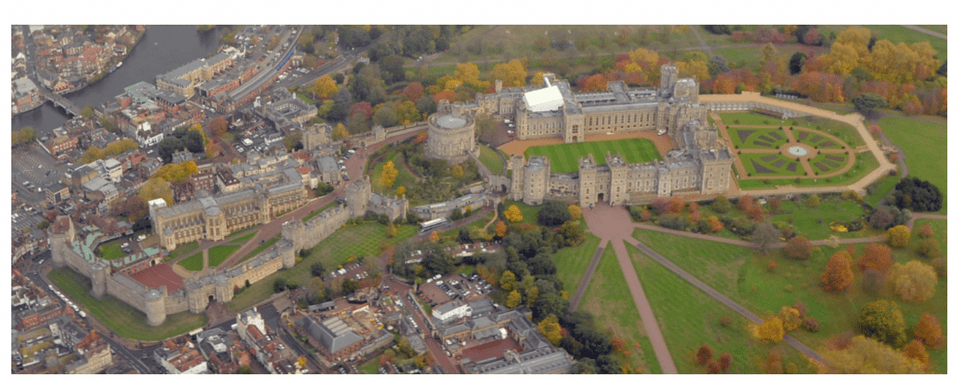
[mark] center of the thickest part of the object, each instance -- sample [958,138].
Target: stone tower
[536,178]
[196,300]
[98,279]
[293,231]
[61,234]
[588,180]
[358,194]
[618,179]
[155,308]
[315,136]
[516,182]
[668,77]
[223,289]
[288,255]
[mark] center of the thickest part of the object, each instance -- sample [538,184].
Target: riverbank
[111,64]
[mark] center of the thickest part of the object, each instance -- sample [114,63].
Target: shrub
[939,266]
[714,368]
[811,325]
[772,266]
[704,354]
[725,322]
[801,308]
[798,248]
[725,361]
[673,221]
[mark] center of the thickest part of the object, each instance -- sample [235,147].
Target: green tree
[87,112]
[883,321]
[721,205]
[929,248]
[813,201]
[866,102]
[553,214]
[317,269]
[572,233]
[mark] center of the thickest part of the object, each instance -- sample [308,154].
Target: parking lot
[454,286]
[35,166]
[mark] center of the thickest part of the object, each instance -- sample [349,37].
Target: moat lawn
[351,241]
[123,319]
[689,318]
[563,157]
[609,299]
[925,147]
[491,159]
[741,275]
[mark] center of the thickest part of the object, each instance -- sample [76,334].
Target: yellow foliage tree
[340,131]
[575,212]
[391,230]
[857,38]
[790,317]
[695,69]
[401,191]
[388,174]
[325,87]
[550,328]
[913,281]
[513,214]
[434,237]
[771,329]
[898,236]
[456,171]
[513,73]
[177,172]
[156,188]
[865,355]
[842,59]
[513,299]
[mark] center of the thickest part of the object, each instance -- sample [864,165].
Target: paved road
[703,44]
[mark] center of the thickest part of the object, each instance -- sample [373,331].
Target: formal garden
[771,164]
[753,138]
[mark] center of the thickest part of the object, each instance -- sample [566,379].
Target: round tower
[154,307]
[224,290]
[288,255]
[358,194]
[98,279]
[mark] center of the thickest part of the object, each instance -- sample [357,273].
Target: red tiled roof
[303,170]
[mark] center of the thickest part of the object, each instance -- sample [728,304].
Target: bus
[431,225]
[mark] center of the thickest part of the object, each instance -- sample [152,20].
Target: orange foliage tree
[704,354]
[875,256]
[928,330]
[838,275]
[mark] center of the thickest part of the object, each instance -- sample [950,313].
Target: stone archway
[600,197]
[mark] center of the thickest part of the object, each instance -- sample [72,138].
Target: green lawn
[529,212]
[491,160]
[221,252]
[689,318]
[884,186]
[260,248]
[805,220]
[756,165]
[572,262]
[753,140]
[609,299]
[111,251]
[123,319]
[184,249]
[370,367]
[866,163]
[935,28]
[317,211]
[842,131]
[925,147]
[743,276]
[351,241]
[747,118]
[563,157]
[193,263]
[244,238]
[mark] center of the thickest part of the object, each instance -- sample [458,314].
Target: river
[162,49]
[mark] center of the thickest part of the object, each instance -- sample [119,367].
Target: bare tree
[764,237]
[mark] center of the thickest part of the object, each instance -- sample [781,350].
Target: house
[177,359]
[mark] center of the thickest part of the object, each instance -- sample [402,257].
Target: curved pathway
[926,31]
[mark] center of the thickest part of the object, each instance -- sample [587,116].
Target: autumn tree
[550,328]
[156,188]
[218,127]
[456,171]
[875,256]
[401,191]
[928,330]
[324,87]
[513,299]
[434,237]
[913,281]
[883,321]
[838,275]
[813,201]
[771,329]
[745,203]
[675,205]
[725,361]
[388,174]
[513,73]
[929,248]
[704,354]
[575,212]
[340,131]
[915,350]
[764,237]
[898,236]
[391,230]
[413,91]
[790,317]
[500,228]
[507,280]
[868,356]
[925,231]
[715,224]
[798,248]
[513,214]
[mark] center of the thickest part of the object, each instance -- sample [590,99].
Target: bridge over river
[60,101]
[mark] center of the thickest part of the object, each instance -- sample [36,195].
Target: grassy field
[184,249]
[751,141]
[111,251]
[572,262]
[260,248]
[563,157]
[244,238]
[609,299]
[491,160]
[749,159]
[529,212]
[689,318]
[404,176]
[925,147]
[123,319]
[221,252]
[884,186]
[317,211]
[193,263]
[865,161]
[352,241]
[746,118]
[805,220]
[743,276]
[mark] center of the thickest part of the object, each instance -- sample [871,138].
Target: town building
[185,79]
[95,355]
[180,359]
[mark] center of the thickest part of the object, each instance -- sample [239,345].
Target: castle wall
[176,303]
[127,290]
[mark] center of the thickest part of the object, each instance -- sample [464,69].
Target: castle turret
[668,77]
[98,279]
[287,254]
[358,194]
[154,307]
[587,168]
[61,234]
[516,182]
[293,231]
[618,179]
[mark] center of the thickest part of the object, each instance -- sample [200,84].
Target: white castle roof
[546,99]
